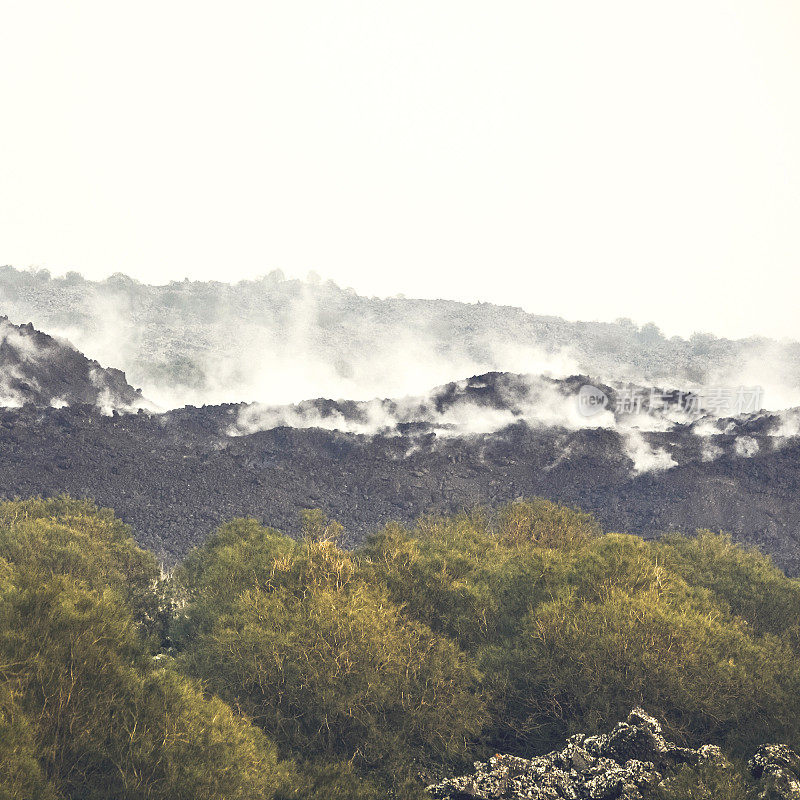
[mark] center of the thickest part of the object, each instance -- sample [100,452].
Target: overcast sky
[588,159]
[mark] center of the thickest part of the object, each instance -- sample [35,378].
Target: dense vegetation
[266,667]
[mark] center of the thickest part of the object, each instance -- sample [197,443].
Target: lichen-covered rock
[710,754]
[628,763]
[639,739]
[777,768]
[617,766]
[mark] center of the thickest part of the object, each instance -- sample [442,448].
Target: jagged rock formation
[39,369]
[629,763]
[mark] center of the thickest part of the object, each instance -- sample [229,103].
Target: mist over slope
[39,369]
[281,341]
[176,476]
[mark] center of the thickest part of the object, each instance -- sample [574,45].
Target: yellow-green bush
[86,709]
[571,628]
[323,660]
[710,781]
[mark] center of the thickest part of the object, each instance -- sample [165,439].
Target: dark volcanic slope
[175,477]
[36,368]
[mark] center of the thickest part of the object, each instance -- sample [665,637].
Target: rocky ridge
[632,762]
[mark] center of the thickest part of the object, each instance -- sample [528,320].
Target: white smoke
[711,452]
[788,425]
[769,367]
[22,348]
[706,427]
[9,397]
[533,400]
[277,362]
[645,457]
[273,343]
[375,418]
[746,446]
[23,345]
[530,399]
[276,341]
[536,402]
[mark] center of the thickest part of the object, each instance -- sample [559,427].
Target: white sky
[589,159]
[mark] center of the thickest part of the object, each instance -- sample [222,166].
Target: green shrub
[544,524]
[85,708]
[710,781]
[21,776]
[459,577]
[340,674]
[572,628]
[744,581]
[74,538]
[322,659]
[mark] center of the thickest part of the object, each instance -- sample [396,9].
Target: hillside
[275,340]
[488,439]
[174,477]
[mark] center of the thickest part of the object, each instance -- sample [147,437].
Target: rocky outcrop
[41,370]
[777,768]
[175,477]
[629,763]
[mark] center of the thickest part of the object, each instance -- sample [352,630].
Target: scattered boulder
[639,739]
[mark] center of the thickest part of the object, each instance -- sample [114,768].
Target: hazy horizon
[281,340]
[588,161]
[312,277]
